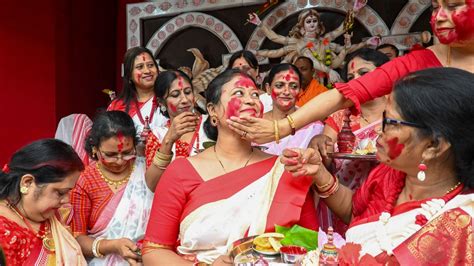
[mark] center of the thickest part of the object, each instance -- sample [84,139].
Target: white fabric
[131,216]
[159,119]
[160,133]
[267,102]
[390,231]
[73,130]
[301,139]
[211,229]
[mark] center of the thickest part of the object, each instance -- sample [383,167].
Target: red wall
[55,58]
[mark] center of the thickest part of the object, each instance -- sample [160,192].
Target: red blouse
[380,81]
[17,241]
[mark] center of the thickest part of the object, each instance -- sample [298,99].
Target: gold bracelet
[165,157]
[329,183]
[292,124]
[277,131]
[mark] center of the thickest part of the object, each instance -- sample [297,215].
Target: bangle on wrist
[292,124]
[277,131]
[162,160]
[96,246]
[334,187]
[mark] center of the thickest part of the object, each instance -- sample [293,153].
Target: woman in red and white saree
[137,97]
[206,202]
[183,135]
[35,184]
[112,198]
[416,208]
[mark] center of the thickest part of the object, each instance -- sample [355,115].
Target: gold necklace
[453,188]
[48,241]
[222,165]
[115,183]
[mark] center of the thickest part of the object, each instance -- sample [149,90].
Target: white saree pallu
[387,233]
[159,120]
[131,214]
[210,230]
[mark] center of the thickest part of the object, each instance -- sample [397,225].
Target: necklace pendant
[48,244]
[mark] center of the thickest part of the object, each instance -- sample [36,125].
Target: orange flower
[310,45]
[326,41]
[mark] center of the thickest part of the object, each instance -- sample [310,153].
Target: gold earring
[214,120]
[23,190]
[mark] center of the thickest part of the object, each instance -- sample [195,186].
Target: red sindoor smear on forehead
[244,82]
[233,107]
[121,139]
[143,57]
[394,148]
[180,82]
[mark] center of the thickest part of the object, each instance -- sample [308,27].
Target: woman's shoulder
[88,176]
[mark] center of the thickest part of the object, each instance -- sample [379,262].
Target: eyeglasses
[124,156]
[391,121]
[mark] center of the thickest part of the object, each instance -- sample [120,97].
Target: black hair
[441,101]
[109,124]
[283,67]
[247,55]
[48,160]
[385,45]
[213,95]
[163,84]
[129,92]
[305,58]
[377,58]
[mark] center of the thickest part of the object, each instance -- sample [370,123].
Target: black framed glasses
[390,121]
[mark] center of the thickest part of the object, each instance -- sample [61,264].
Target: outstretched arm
[263,131]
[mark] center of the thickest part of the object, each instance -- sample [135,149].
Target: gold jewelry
[453,188]
[48,240]
[222,165]
[214,120]
[292,124]
[115,183]
[321,188]
[277,131]
[162,160]
[95,247]
[23,190]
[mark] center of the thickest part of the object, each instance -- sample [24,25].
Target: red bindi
[394,148]
[352,65]
[233,107]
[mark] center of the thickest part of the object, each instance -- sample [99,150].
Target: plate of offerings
[268,244]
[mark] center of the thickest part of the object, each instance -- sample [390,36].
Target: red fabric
[89,198]
[380,81]
[119,105]
[181,190]
[17,242]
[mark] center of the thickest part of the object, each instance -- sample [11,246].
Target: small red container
[292,254]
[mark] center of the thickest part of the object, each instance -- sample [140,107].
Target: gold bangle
[277,131]
[160,163]
[162,156]
[292,124]
[329,183]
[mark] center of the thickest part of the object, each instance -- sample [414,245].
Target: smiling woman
[33,187]
[421,194]
[284,85]
[197,195]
